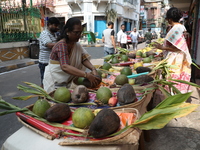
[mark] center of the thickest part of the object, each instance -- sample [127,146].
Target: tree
[111,14]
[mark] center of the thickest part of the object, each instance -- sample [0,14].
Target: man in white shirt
[134,38]
[122,37]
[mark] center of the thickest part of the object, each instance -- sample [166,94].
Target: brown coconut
[58,113]
[80,94]
[126,94]
[105,123]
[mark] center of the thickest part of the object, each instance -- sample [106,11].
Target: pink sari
[182,59]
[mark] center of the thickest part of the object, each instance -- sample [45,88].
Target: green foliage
[91,34]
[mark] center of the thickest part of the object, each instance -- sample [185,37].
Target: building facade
[93,13]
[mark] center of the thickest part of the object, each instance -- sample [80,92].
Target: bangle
[85,76]
[93,68]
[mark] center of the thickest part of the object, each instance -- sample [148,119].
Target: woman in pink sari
[177,50]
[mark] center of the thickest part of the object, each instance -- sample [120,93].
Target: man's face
[111,26]
[134,29]
[53,28]
[123,28]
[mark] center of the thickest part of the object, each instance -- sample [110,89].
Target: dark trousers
[123,45]
[42,69]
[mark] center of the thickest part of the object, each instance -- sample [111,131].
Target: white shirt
[121,37]
[134,36]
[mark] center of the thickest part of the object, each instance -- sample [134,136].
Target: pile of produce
[85,111]
[106,123]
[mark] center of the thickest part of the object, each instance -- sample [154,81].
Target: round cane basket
[130,136]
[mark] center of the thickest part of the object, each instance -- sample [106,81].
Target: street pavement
[179,134]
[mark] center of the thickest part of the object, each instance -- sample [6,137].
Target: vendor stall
[111,116]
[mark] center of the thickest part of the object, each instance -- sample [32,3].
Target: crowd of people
[62,58]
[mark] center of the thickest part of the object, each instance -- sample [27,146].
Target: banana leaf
[26,97]
[172,107]
[175,99]
[28,90]
[186,82]
[158,118]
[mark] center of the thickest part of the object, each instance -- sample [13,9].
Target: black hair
[69,26]
[53,20]
[122,25]
[110,23]
[149,29]
[174,13]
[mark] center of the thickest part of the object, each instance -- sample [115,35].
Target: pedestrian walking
[47,40]
[122,38]
[108,38]
[134,38]
[148,36]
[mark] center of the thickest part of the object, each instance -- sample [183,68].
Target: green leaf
[158,118]
[175,99]
[195,65]
[148,89]
[91,34]
[26,97]
[28,90]
[164,91]
[186,82]
[36,87]
[175,90]
[10,111]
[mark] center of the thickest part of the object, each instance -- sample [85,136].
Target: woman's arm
[77,72]
[88,64]
[72,70]
[170,48]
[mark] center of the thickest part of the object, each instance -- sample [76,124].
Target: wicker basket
[130,136]
[140,105]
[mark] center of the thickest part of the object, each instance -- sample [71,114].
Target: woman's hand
[158,46]
[94,80]
[94,72]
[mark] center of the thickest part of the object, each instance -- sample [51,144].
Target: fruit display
[103,94]
[88,112]
[82,117]
[143,79]
[143,69]
[126,94]
[138,64]
[80,94]
[40,107]
[62,94]
[121,79]
[126,71]
[105,123]
[124,58]
[58,113]
[115,60]
[106,66]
